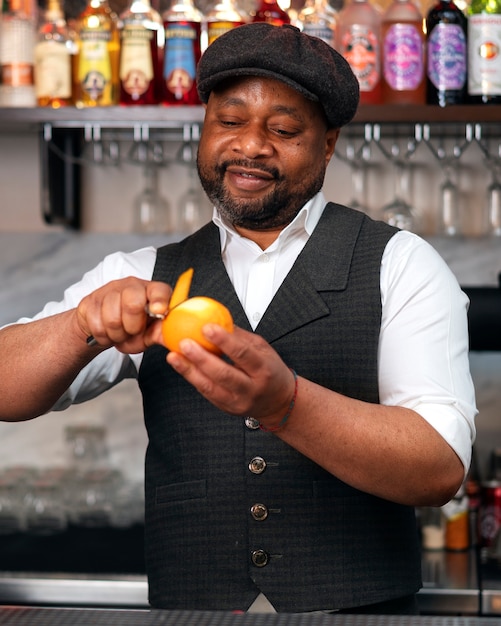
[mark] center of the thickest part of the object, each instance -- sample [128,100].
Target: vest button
[257,465]
[259,512]
[259,558]
[252,423]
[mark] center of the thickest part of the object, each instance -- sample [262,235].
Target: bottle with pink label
[403,41]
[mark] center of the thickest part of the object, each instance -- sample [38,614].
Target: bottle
[142,39]
[484,45]
[403,54]
[318,19]
[358,39]
[446,54]
[271,12]
[457,526]
[182,22]
[54,51]
[95,75]
[222,17]
[17,43]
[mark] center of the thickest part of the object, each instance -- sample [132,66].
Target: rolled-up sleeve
[423,346]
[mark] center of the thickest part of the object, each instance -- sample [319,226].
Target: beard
[275,210]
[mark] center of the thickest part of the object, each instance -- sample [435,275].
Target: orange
[187,319]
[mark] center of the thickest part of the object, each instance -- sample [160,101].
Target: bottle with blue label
[182,23]
[447,54]
[404,78]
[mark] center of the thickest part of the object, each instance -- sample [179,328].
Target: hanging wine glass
[152,212]
[449,204]
[399,212]
[358,176]
[193,207]
[494,203]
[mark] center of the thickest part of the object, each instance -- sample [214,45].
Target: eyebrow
[281,109]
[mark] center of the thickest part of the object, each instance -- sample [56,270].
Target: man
[285,472]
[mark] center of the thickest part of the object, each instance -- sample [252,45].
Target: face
[263,152]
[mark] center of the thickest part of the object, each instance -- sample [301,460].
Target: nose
[253,141]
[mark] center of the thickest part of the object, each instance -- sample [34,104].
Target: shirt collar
[304,223]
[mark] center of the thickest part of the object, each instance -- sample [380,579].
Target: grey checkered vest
[324,544]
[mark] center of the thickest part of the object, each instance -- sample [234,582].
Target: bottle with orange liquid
[404,77]
[183,28]
[358,39]
[222,17]
[95,73]
[54,51]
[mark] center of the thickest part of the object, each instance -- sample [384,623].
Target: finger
[158,296]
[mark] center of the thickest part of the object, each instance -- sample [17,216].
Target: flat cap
[302,62]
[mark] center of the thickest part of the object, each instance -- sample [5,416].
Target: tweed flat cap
[302,62]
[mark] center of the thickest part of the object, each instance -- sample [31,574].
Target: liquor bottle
[95,74]
[484,59]
[54,51]
[358,39]
[142,39]
[222,17]
[446,54]
[17,42]
[318,19]
[404,80]
[271,12]
[183,26]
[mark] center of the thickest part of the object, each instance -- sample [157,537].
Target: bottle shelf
[26,119]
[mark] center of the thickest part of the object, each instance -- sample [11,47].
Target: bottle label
[360,47]
[52,70]
[484,58]
[94,67]
[403,57]
[136,64]
[180,58]
[447,57]
[321,32]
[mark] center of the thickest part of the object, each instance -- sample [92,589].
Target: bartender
[283,475]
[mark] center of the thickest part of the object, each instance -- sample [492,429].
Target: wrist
[283,421]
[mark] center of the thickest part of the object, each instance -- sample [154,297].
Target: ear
[331,137]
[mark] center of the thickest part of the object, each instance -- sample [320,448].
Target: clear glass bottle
[446,54]
[95,75]
[318,19]
[358,39]
[152,212]
[484,43]
[271,12]
[17,43]
[142,39]
[403,54]
[183,29]
[222,17]
[54,51]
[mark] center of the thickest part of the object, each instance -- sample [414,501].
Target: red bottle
[141,51]
[271,12]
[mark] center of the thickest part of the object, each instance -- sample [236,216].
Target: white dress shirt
[423,344]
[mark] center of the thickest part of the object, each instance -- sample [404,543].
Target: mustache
[249,164]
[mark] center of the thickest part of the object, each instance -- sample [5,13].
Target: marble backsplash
[36,267]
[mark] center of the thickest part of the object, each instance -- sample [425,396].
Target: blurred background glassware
[399,212]
[92,502]
[12,519]
[450,222]
[46,509]
[86,446]
[193,208]
[152,211]
[494,204]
